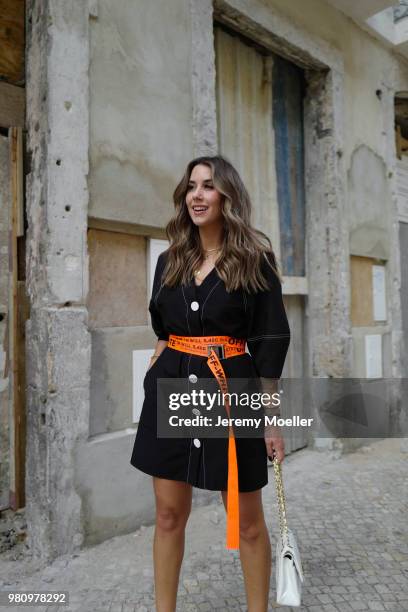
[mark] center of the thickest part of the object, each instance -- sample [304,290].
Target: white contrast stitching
[268,336]
[188,370]
[203,464]
[185,301]
[159,289]
[189,457]
[205,301]
[157,294]
[245,300]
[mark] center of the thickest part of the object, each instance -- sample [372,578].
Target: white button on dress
[197,442]
[193,378]
[196,411]
[194,306]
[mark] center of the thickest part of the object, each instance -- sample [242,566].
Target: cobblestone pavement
[349,515]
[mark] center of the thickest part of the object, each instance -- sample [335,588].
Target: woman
[218,278]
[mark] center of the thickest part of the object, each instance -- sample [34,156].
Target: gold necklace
[198,272]
[210,250]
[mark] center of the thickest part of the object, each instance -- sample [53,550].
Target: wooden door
[14,313]
[5,199]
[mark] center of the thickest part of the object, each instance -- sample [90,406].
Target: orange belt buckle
[216,348]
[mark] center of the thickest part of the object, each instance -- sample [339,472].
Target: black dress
[207,310]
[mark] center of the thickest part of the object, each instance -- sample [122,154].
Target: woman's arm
[155,315]
[270,386]
[160,346]
[268,341]
[275,444]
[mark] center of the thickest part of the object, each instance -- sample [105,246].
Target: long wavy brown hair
[244,247]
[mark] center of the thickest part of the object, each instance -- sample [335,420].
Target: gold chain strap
[280,494]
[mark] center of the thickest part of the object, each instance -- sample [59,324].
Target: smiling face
[202,198]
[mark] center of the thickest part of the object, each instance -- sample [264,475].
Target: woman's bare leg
[173,505]
[255,549]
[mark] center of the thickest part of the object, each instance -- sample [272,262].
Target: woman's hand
[275,445]
[274,442]
[152,360]
[160,346]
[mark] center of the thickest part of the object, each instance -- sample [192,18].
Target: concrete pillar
[397,386]
[57,338]
[327,248]
[203,78]
[327,228]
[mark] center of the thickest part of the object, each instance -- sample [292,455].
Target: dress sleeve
[269,333]
[157,322]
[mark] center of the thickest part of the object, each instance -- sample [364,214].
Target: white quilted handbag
[289,572]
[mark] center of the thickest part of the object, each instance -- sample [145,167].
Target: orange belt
[215,347]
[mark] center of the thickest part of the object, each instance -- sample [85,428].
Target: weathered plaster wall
[369,214]
[111,378]
[140,107]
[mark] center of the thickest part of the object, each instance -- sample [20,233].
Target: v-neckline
[204,279]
